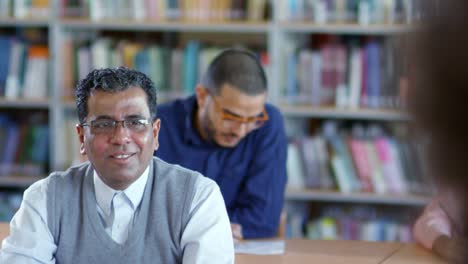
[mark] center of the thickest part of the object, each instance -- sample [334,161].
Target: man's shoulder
[170,173]
[43,186]
[273,112]
[174,106]
[72,173]
[168,170]
[168,105]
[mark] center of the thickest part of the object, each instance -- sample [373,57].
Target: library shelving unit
[353,29]
[366,198]
[343,113]
[166,26]
[273,33]
[24,103]
[14,105]
[292,35]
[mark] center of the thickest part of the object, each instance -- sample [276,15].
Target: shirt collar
[191,135]
[105,194]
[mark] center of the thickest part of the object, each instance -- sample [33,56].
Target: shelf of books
[175,68]
[231,16]
[320,195]
[24,137]
[25,99]
[354,172]
[332,112]
[169,26]
[23,22]
[364,73]
[24,103]
[18,181]
[351,222]
[24,13]
[344,29]
[358,157]
[358,171]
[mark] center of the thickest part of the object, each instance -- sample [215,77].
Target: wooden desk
[322,251]
[4,231]
[413,254]
[341,252]
[331,252]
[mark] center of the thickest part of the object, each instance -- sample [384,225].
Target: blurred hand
[432,224]
[236,232]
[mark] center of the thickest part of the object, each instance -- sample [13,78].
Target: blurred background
[336,69]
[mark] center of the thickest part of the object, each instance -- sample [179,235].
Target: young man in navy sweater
[228,133]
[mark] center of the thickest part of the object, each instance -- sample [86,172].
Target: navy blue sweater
[251,176]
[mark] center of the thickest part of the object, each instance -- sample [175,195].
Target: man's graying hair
[238,68]
[113,80]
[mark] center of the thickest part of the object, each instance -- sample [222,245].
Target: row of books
[346,72]
[160,10]
[174,71]
[365,159]
[363,12]
[25,144]
[24,8]
[24,69]
[70,152]
[10,202]
[351,223]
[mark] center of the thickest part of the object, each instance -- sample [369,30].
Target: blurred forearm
[452,249]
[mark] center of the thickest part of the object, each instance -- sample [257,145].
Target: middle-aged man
[124,205]
[228,133]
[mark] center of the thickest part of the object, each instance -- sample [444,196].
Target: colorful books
[364,12]
[345,72]
[24,65]
[175,71]
[364,160]
[25,145]
[167,10]
[358,223]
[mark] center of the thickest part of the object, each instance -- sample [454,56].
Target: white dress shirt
[31,241]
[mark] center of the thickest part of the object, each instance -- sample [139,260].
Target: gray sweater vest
[157,227]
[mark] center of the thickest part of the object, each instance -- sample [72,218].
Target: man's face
[230,102]
[122,154]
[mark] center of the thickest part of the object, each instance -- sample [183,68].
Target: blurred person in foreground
[124,205]
[439,104]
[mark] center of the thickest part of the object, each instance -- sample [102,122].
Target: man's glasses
[230,120]
[108,126]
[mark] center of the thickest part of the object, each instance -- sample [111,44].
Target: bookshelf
[317,195]
[23,22]
[166,26]
[18,181]
[25,103]
[331,112]
[344,29]
[275,34]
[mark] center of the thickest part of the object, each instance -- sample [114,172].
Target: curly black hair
[113,80]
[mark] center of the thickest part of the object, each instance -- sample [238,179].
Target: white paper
[264,247]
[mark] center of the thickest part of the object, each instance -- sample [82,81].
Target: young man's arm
[260,201]
[451,248]
[434,231]
[30,240]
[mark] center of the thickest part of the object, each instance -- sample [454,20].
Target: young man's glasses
[108,126]
[231,120]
